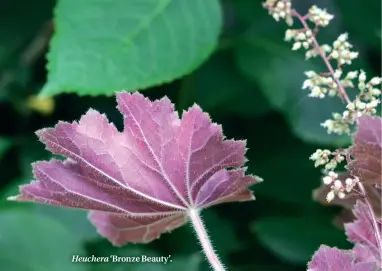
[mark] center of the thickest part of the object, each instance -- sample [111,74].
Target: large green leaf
[295,239]
[102,46]
[29,242]
[280,73]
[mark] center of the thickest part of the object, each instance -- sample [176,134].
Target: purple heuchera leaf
[334,259]
[363,257]
[362,232]
[140,182]
[367,151]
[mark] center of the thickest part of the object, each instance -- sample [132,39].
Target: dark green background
[251,85]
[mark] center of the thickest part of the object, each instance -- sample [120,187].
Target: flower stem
[323,56]
[345,96]
[202,235]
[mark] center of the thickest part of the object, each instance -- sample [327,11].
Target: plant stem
[323,56]
[202,235]
[342,91]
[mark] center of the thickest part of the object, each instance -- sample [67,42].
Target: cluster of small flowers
[319,16]
[365,104]
[323,157]
[320,85]
[280,9]
[338,188]
[341,50]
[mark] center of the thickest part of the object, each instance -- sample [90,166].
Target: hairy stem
[202,235]
[323,56]
[343,93]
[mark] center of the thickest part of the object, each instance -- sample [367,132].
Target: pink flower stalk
[148,179]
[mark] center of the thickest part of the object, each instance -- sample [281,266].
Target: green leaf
[5,144]
[102,46]
[174,263]
[295,239]
[36,243]
[280,73]
[219,85]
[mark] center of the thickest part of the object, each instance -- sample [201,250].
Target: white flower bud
[350,106]
[326,48]
[362,76]
[327,180]
[289,34]
[375,92]
[301,36]
[343,37]
[337,184]
[296,46]
[349,181]
[353,55]
[334,54]
[372,104]
[330,196]
[375,80]
[280,4]
[333,175]
[341,195]
[307,84]
[337,73]
[352,75]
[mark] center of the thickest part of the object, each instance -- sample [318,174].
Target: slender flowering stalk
[205,242]
[302,19]
[341,89]
[333,84]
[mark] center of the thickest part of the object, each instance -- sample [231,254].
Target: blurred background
[251,85]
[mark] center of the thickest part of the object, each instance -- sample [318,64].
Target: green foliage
[295,239]
[104,46]
[35,243]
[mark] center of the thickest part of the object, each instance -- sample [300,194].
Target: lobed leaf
[140,182]
[362,232]
[365,254]
[334,259]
